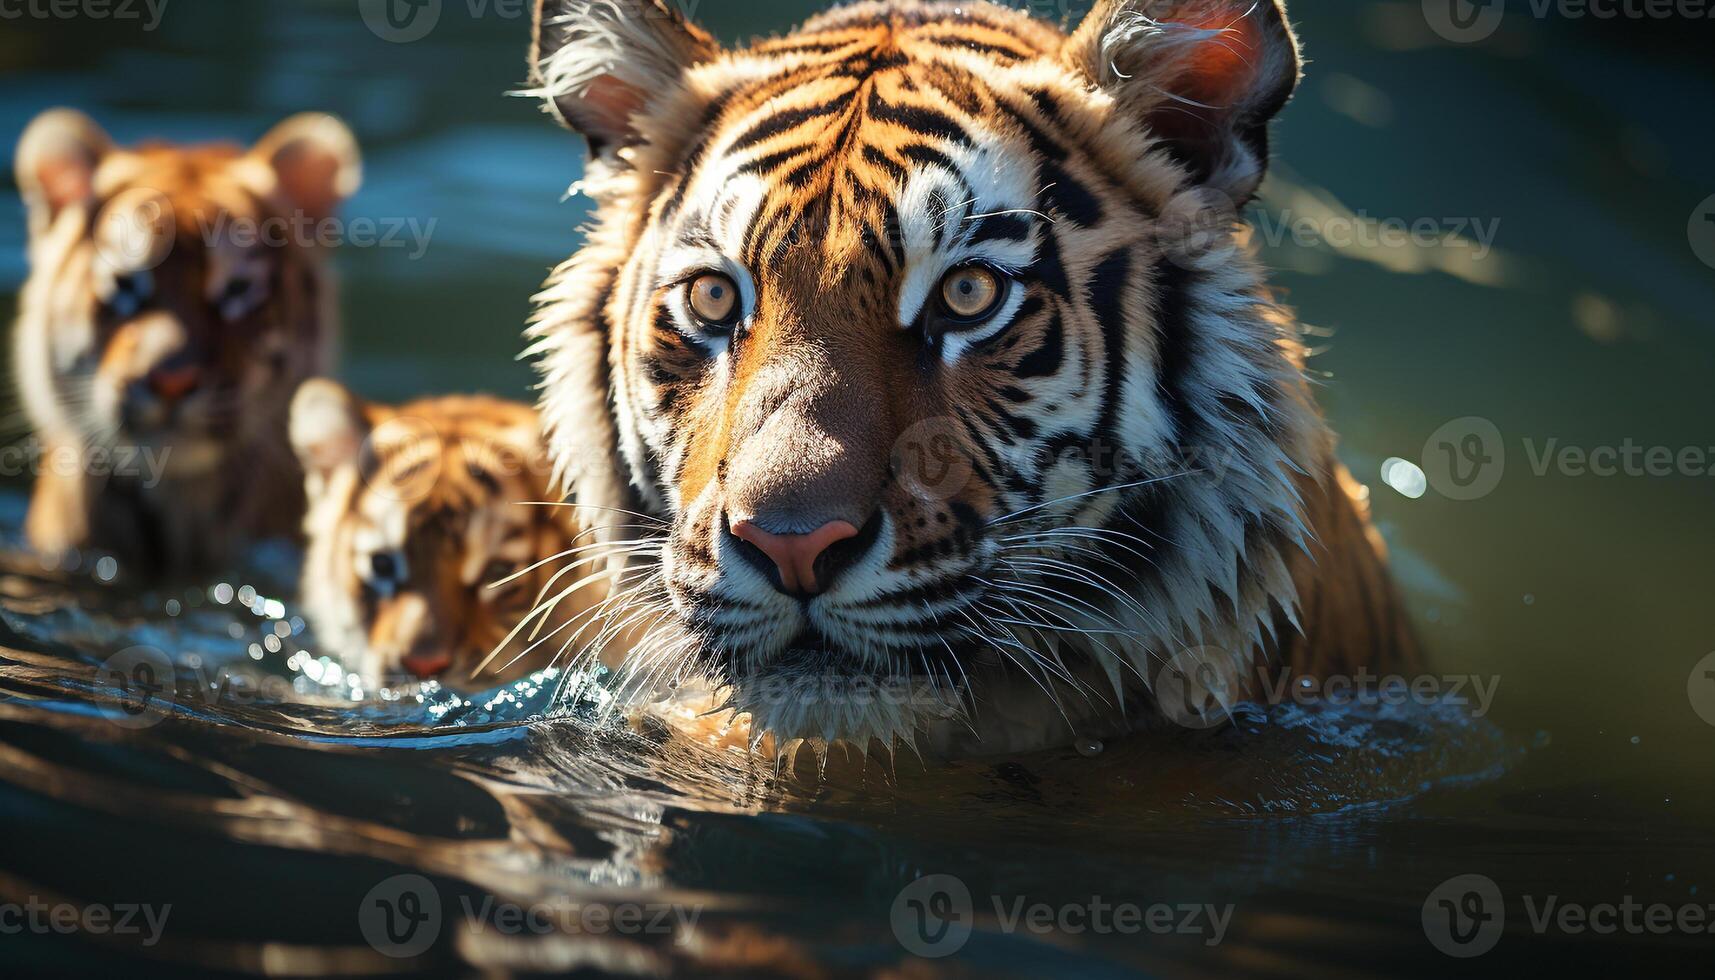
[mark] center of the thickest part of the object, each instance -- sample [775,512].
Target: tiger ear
[597,63]
[315,158]
[327,427]
[1205,76]
[56,162]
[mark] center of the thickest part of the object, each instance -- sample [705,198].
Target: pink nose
[795,554]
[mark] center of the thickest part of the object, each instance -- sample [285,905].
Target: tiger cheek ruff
[923,345]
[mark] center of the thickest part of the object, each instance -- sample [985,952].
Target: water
[271,809]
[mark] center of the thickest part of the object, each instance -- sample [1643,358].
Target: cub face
[176,297]
[423,524]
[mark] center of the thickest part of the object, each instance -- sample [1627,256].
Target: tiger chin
[428,527]
[168,315]
[928,336]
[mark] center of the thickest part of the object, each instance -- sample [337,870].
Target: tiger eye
[970,292]
[714,299]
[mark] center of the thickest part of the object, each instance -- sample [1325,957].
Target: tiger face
[426,528]
[173,304]
[928,331]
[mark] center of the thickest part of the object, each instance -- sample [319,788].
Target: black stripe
[982,47]
[1000,228]
[785,119]
[1048,356]
[1049,270]
[1062,192]
[1107,288]
[769,161]
[884,162]
[1173,343]
[918,119]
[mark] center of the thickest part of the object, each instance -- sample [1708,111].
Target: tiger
[929,338]
[168,315]
[427,527]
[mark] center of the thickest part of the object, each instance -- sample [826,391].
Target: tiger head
[176,297]
[928,331]
[426,528]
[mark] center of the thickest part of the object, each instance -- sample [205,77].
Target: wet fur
[829,168]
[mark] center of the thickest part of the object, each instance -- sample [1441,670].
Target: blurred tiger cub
[169,314]
[420,525]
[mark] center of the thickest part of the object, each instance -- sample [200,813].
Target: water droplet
[1404,476]
[107,569]
[1089,748]
[221,593]
[173,607]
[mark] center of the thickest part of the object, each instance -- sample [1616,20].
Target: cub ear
[316,160]
[56,162]
[327,427]
[1205,76]
[597,63]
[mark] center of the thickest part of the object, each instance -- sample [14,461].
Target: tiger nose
[428,664]
[171,382]
[806,563]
